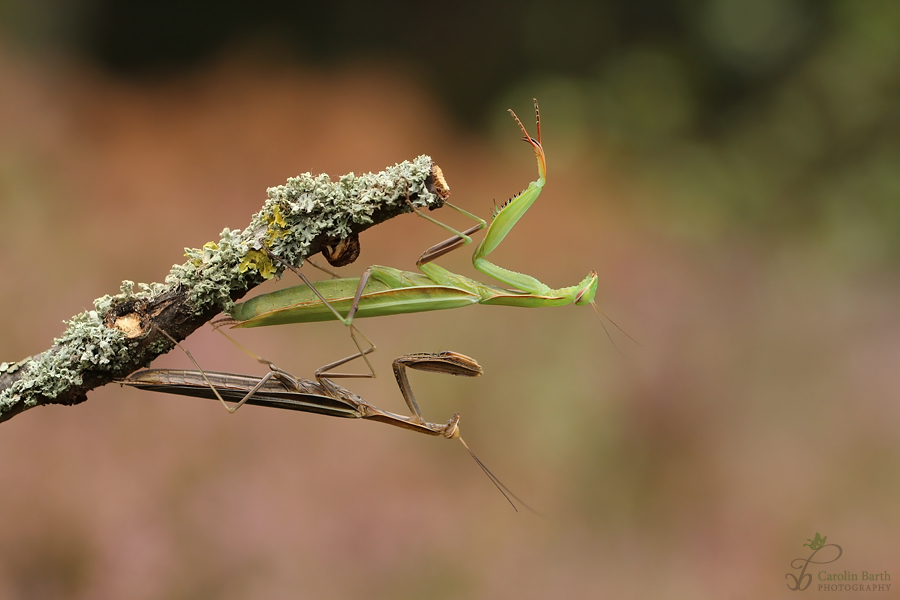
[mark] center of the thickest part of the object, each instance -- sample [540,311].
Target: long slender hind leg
[273,372]
[459,239]
[348,321]
[450,363]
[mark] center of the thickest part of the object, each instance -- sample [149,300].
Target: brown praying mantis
[280,389]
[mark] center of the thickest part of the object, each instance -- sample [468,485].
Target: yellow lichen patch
[277,226]
[260,261]
[277,218]
[197,255]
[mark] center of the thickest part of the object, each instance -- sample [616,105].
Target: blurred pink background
[761,407]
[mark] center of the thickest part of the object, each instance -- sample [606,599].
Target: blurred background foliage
[720,117]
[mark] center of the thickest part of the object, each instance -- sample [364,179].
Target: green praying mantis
[388,291]
[382,291]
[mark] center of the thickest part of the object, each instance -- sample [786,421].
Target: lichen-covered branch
[298,220]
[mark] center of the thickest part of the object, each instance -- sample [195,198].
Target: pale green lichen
[296,213]
[306,206]
[8,367]
[86,344]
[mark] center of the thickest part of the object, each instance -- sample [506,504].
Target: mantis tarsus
[279,389]
[387,291]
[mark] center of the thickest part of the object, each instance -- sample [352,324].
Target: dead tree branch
[298,220]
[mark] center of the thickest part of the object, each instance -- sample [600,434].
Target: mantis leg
[509,214]
[325,270]
[451,363]
[504,220]
[348,321]
[273,370]
[459,239]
